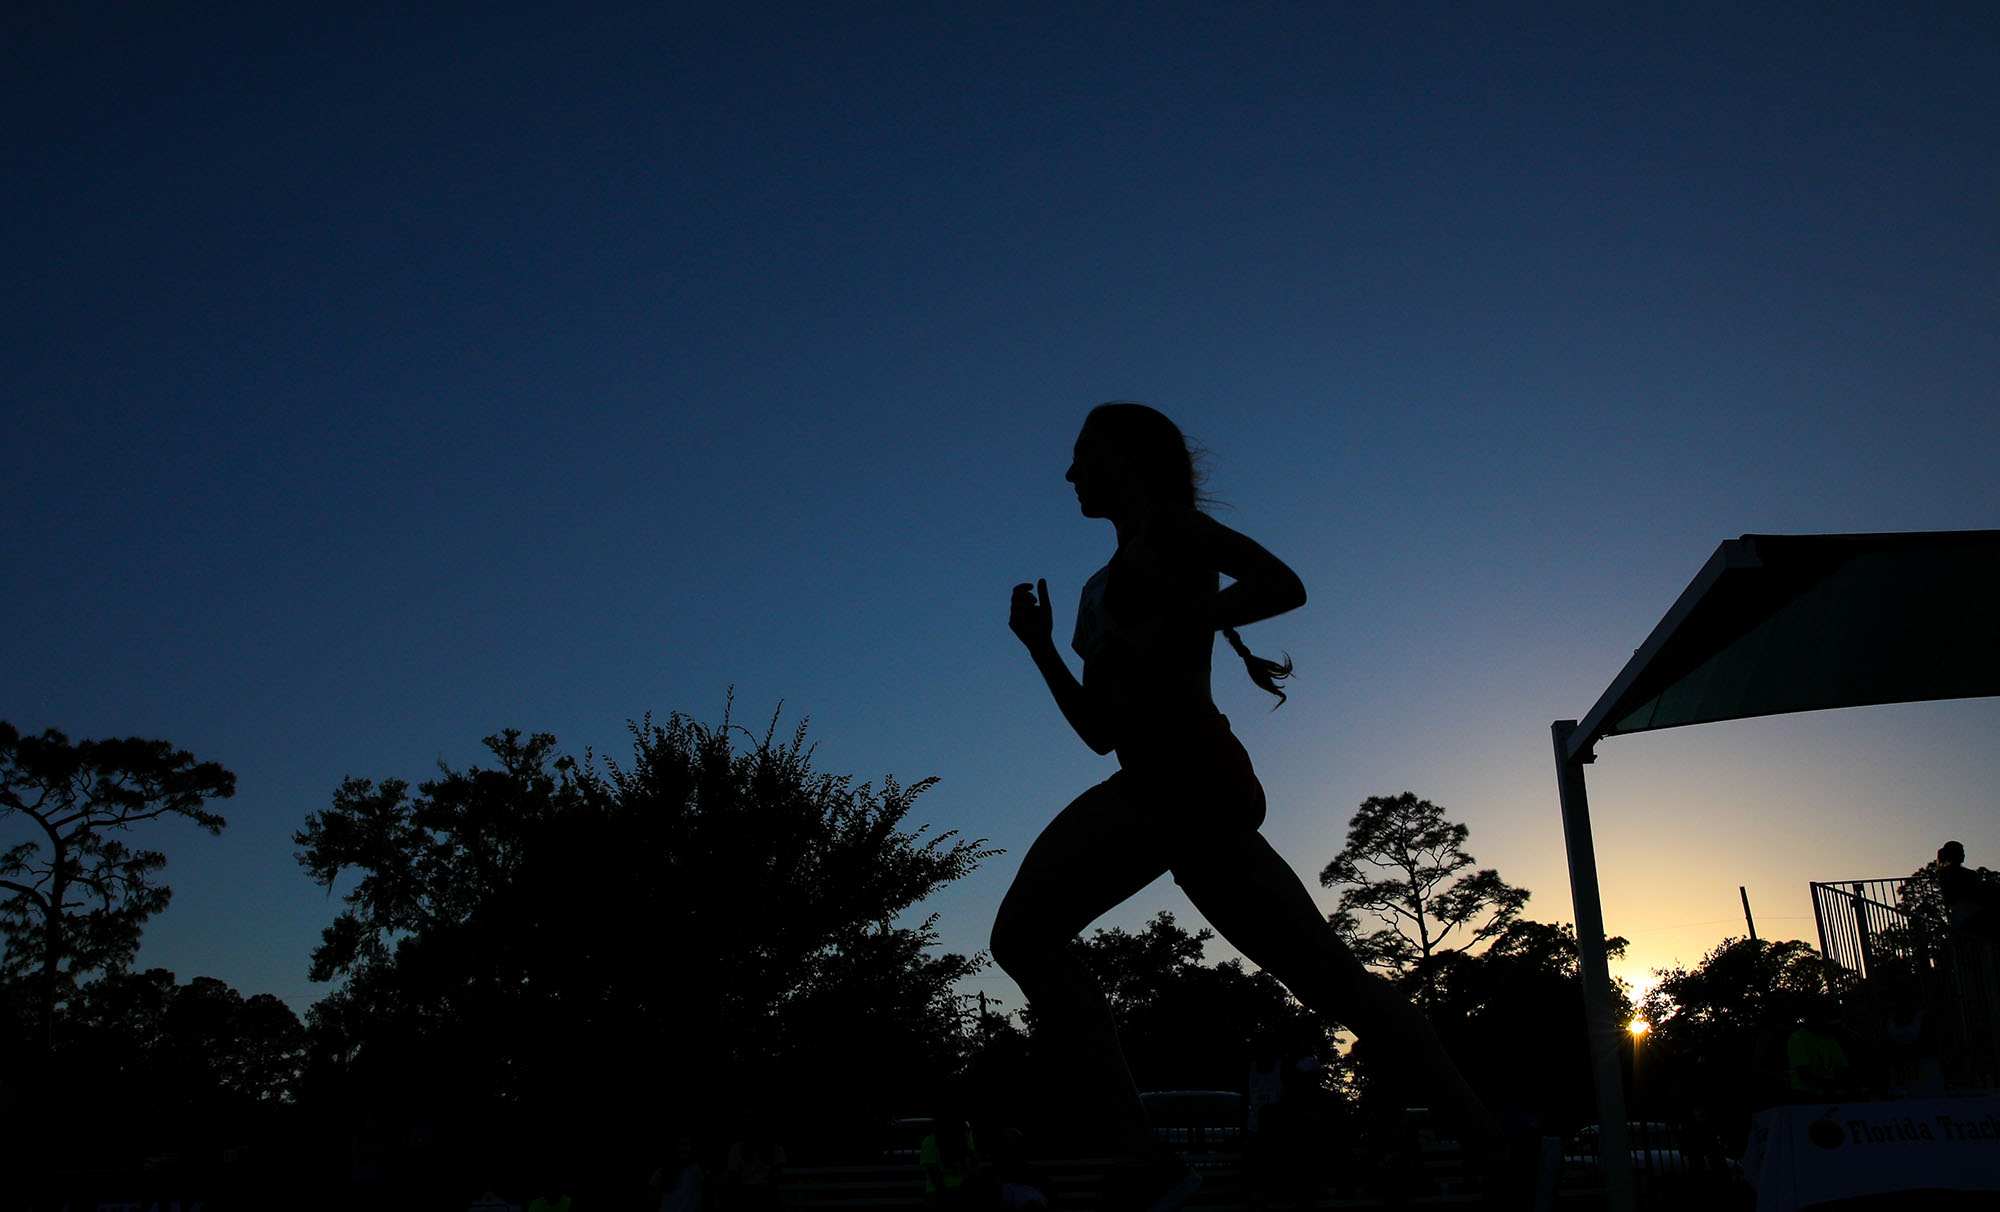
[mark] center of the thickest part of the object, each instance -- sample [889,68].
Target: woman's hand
[1029,617]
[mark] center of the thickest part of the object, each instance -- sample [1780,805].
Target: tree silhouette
[1185,1024]
[1923,900]
[145,1065]
[1512,1016]
[1922,896]
[1719,1028]
[202,1041]
[1402,863]
[76,896]
[718,918]
[430,864]
[1739,986]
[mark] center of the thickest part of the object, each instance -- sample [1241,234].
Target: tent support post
[1599,1006]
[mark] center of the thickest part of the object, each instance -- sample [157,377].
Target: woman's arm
[1186,538]
[1263,585]
[1031,619]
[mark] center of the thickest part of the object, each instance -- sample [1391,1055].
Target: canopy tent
[1781,623]
[1775,624]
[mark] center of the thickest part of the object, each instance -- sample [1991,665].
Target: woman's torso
[1152,699]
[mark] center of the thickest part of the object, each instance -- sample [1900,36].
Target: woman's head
[1148,446]
[1126,448]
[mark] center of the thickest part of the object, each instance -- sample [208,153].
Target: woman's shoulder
[1175,539]
[1163,533]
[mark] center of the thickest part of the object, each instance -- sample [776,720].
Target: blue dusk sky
[380,377]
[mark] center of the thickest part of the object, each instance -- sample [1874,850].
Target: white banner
[1800,1156]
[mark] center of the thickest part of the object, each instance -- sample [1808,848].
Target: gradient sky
[377,378]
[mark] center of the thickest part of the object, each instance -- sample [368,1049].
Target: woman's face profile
[1100,471]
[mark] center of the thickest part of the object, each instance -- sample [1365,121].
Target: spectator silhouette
[1185,798]
[677,1184]
[1023,1186]
[1265,1089]
[955,1178]
[1915,1070]
[1817,1062]
[755,1168]
[1969,895]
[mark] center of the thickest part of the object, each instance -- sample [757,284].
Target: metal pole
[1822,909]
[1747,919]
[1864,944]
[1599,1005]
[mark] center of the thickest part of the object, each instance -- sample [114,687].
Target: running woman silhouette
[1185,798]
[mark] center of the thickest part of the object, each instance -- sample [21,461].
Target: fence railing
[1864,926]
[1884,944]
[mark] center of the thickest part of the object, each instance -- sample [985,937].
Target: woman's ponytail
[1263,671]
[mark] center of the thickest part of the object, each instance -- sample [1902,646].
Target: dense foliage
[1512,1016]
[712,919]
[1716,1049]
[1188,1025]
[1742,986]
[144,1067]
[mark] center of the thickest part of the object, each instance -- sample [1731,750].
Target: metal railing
[1884,941]
[1865,929]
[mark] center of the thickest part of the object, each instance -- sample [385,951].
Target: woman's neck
[1129,517]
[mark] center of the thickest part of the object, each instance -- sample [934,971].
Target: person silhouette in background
[1969,894]
[676,1185]
[1185,798]
[755,1170]
[955,1178]
[1818,1065]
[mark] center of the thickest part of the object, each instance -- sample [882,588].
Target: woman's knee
[1017,944]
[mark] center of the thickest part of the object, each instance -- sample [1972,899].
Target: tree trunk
[52,941]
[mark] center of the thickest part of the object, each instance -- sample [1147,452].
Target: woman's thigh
[1092,857]
[1254,899]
